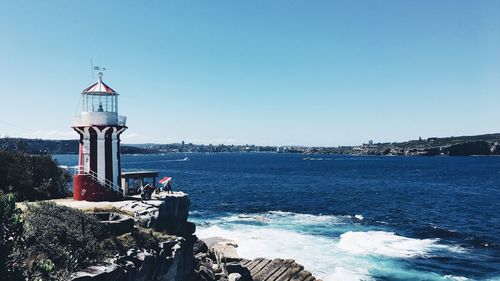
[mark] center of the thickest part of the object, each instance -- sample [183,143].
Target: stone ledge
[165,212]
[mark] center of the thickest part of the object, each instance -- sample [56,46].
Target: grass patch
[140,238]
[110,209]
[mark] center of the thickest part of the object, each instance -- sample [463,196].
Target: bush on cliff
[11,228]
[57,241]
[32,177]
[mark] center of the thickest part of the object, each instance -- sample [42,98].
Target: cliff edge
[161,245]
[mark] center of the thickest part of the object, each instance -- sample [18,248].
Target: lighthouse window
[93,103]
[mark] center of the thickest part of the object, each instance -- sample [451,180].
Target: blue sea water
[346,217]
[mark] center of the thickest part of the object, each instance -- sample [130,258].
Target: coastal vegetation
[31,177]
[58,240]
[11,228]
[47,241]
[42,147]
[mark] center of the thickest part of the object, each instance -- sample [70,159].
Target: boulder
[111,272]
[172,261]
[237,268]
[234,277]
[200,247]
[206,273]
[222,250]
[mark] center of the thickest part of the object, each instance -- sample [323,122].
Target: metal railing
[93,175]
[122,120]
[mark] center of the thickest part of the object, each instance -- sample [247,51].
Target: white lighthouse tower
[99,127]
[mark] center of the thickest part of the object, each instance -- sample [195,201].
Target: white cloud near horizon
[41,134]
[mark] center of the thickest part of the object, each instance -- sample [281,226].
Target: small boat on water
[312,159]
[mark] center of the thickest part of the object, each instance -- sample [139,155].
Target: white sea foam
[316,253]
[288,218]
[354,255]
[455,278]
[385,244]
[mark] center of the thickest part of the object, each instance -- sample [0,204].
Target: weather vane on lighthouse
[95,68]
[99,71]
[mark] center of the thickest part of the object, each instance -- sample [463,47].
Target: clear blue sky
[264,72]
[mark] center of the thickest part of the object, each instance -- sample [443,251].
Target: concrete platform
[131,205]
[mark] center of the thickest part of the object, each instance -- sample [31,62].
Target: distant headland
[487,144]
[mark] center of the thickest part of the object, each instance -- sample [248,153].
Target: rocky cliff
[176,254]
[468,148]
[163,219]
[171,261]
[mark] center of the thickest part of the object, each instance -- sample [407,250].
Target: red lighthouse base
[85,188]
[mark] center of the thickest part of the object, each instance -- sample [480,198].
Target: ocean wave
[316,253]
[288,218]
[388,244]
[354,255]
[158,161]
[456,278]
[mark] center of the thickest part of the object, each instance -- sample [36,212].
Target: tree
[32,177]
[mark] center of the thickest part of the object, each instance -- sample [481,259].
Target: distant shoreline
[479,145]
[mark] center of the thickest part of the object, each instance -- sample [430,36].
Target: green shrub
[11,228]
[32,177]
[59,240]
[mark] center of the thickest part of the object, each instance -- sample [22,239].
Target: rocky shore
[217,259]
[470,148]
[179,255]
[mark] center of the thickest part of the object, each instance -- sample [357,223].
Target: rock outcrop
[221,262]
[181,257]
[466,148]
[470,148]
[171,261]
[165,212]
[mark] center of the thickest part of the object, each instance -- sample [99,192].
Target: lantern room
[99,106]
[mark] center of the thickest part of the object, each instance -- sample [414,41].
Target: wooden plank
[253,263]
[292,270]
[277,273]
[245,263]
[259,267]
[301,276]
[270,268]
[310,278]
[284,267]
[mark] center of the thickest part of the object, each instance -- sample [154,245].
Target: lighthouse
[99,127]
